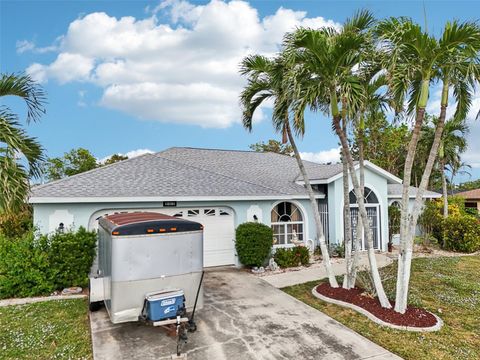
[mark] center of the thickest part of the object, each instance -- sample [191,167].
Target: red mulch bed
[413,317]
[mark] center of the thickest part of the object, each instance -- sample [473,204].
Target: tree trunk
[382,297]
[348,281]
[408,229]
[316,213]
[444,189]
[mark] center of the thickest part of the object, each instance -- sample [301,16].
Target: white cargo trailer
[150,265]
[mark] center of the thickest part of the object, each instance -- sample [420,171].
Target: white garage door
[219,232]
[218,224]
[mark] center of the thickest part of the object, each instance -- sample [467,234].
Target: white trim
[303,211]
[129,199]
[368,164]
[425,196]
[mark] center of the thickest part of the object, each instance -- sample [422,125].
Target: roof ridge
[41,186]
[224,175]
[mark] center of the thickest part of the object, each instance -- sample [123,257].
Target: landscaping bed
[56,329]
[413,317]
[446,286]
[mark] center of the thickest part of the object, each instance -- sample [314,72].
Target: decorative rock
[272,265]
[258,270]
[71,290]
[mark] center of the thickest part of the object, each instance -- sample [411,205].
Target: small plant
[292,257]
[337,250]
[364,281]
[253,243]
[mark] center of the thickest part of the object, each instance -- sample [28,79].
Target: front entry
[373,213]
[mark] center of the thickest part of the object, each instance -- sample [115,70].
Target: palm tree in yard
[16,147]
[415,60]
[268,79]
[329,58]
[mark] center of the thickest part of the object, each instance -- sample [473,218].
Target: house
[472,199]
[220,189]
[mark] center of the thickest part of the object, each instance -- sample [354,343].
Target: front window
[287,224]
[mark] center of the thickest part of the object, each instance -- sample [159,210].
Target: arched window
[368,195]
[287,224]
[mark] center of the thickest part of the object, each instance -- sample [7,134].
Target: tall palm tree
[415,59]
[20,154]
[329,58]
[267,80]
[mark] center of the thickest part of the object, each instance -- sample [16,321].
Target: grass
[448,287]
[56,329]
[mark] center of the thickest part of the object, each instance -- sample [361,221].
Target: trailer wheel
[95,306]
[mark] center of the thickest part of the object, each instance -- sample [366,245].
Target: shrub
[16,224]
[253,243]
[461,233]
[291,257]
[31,266]
[337,250]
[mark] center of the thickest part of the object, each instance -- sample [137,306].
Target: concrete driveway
[244,317]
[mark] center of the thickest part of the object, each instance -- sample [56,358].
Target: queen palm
[415,59]
[329,58]
[15,144]
[267,79]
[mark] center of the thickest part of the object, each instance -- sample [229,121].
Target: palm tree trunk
[405,255]
[348,281]
[382,297]
[316,213]
[444,189]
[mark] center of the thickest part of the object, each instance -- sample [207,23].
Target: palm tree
[267,80]
[329,58]
[16,144]
[415,59]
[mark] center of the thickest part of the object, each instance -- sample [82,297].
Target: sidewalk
[317,271]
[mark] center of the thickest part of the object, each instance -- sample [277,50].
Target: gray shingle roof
[395,191]
[178,172]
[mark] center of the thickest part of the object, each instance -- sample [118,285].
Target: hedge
[253,243]
[38,265]
[461,233]
[291,257]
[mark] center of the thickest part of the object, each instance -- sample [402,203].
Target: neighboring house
[472,198]
[220,189]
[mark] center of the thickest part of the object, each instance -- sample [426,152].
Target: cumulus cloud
[184,70]
[130,154]
[325,156]
[26,45]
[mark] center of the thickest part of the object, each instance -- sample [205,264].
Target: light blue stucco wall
[373,181]
[47,217]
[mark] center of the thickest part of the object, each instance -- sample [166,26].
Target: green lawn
[449,287]
[47,330]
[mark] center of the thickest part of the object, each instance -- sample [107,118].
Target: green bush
[337,250]
[461,233]
[253,243]
[31,266]
[291,257]
[16,224]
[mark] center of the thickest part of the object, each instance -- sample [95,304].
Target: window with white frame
[287,224]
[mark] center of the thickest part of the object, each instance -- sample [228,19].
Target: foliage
[430,221]
[253,243]
[292,257]
[16,144]
[385,143]
[393,221]
[469,185]
[462,233]
[31,265]
[15,224]
[337,250]
[446,284]
[73,162]
[115,158]
[46,330]
[272,146]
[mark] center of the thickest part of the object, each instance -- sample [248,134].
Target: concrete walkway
[244,318]
[317,271]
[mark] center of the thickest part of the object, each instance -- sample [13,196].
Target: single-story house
[472,199]
[220,189]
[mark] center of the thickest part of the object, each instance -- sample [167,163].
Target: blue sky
[129,75]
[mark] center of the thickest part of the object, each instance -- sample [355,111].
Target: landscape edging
[376,320]
[31,300]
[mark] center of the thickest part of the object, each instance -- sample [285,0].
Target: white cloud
[26,45]
[325,156]
[184,70]
[130,154]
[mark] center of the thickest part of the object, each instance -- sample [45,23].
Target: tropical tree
[267,79]
[328,59]
[115,158]
[274,146]
[415,59]
[20,154]
[71,163]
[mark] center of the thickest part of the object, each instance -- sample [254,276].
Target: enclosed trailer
[150,267]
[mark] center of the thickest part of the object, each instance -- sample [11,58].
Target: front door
[374,221]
